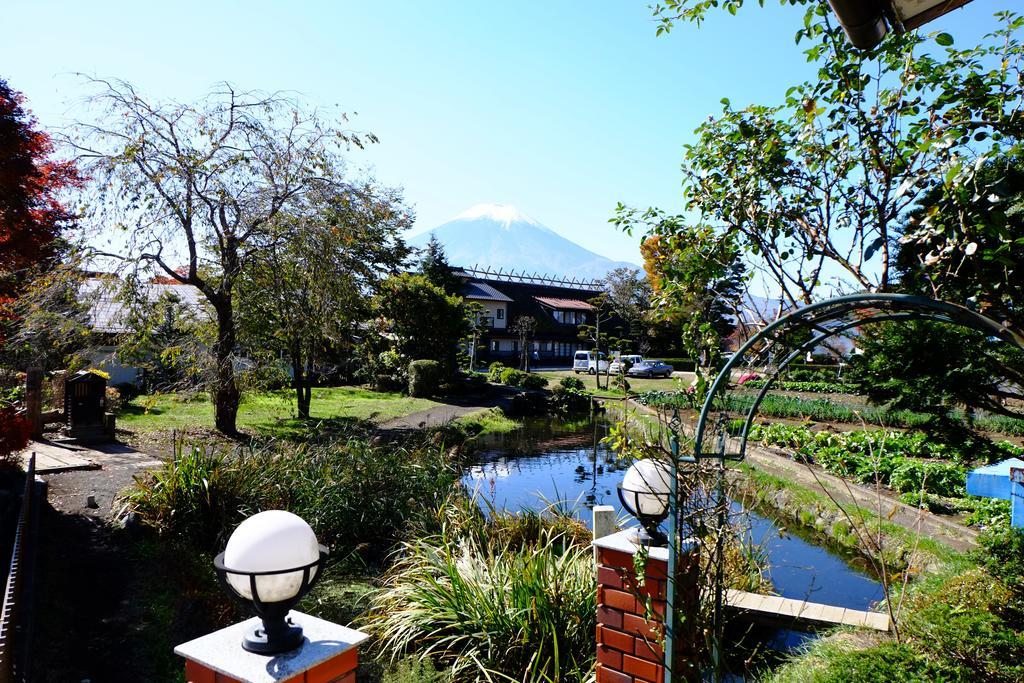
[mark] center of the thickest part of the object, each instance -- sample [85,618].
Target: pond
[548,461]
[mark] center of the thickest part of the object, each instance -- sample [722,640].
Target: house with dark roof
[560,306]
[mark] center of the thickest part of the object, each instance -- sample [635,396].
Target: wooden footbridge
[801,614]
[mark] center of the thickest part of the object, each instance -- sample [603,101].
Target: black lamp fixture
[271,560]
[644,492]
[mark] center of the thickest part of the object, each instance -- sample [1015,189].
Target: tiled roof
[564,304]
[483,291]
[107,314]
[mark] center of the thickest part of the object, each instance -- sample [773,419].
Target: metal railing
[15,620]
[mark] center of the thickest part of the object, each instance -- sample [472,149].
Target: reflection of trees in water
[551,447]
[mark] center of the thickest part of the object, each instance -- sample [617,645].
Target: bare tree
[524,326]
[198,184]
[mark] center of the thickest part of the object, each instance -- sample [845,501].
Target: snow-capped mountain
[500,236]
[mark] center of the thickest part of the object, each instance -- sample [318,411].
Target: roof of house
[483,291]
[564,304]
[108,314]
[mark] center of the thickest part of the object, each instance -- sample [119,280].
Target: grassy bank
[270,412]
[488,421]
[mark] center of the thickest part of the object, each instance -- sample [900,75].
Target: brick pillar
[631,614]
[328,655]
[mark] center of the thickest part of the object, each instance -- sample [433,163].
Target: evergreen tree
[435,267]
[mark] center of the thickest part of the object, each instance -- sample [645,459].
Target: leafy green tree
[304,298]
[817,188]
[165,337]
[600,335]
[201,183]
[698,280]
[426,322]
[524,326]
[435,267]
[53,325]
[966,241]
[932,368]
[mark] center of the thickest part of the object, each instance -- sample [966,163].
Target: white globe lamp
[645,492]
[271,560]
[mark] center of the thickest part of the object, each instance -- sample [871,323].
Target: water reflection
[548,461]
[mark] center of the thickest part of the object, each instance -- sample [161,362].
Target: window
[500,314]
[494,345]
[559,317]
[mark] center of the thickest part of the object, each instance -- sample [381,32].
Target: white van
[589,362]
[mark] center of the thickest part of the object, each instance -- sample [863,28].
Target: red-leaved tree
[32,216]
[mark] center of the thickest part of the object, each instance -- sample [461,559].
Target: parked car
[589,362]
[621,363]
[650,368]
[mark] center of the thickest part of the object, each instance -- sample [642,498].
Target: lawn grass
[267,411]
[636,384]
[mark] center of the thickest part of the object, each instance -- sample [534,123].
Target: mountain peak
[501,236]
[506,214]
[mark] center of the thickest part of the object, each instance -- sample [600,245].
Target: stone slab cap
[625,542]
[222,650]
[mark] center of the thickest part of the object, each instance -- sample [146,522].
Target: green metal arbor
[728,412]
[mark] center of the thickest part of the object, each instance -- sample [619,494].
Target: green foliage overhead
[818,185]
[966,241]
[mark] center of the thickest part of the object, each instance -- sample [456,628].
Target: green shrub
[1002,553]
[885,663]
[494,371]
[351,492]
[425,377]
[962,623]
[513,377]
[532,381]
[574,383]
[569,396]
[489,611]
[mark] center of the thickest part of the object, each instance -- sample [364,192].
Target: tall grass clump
[491,599]
[351,492]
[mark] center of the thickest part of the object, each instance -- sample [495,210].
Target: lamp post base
[654,538]
[273,637]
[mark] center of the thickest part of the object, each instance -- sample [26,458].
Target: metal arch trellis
[728,411]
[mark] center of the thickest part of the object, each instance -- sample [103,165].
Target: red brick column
[630,619]
[631,614]
[341,669]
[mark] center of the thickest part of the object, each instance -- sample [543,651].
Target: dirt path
[496,396]
[778,463]
[85,620]
[936,527]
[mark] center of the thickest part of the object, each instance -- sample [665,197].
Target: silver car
[650,368]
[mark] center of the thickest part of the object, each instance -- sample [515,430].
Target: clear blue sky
[560,108]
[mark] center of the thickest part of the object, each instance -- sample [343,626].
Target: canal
[550,461]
